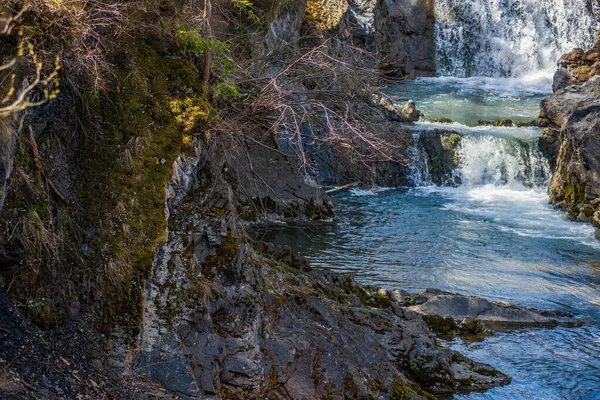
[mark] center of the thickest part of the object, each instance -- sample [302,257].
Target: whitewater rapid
[508,38]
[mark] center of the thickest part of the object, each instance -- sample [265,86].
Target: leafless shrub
[79,31]
[322,97]
[16,96]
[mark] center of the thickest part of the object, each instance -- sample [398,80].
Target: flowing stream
[494,235]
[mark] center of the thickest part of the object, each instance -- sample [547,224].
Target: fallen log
[337,189]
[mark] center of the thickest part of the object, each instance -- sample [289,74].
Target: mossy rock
[495,122]
[127,160]
[403,391]
[441,120]
[442,325]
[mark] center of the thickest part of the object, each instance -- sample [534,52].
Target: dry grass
[37,239]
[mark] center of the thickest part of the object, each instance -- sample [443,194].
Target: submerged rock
[409,111]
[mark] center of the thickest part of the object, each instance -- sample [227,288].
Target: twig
[40,167]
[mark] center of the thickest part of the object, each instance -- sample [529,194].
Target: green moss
[380,299]
[533,122]
[442,120]
[574,195]
[587,211]
[442,325]
[126,200]
[495,122]
[402,391]
[43,316]
[225,256]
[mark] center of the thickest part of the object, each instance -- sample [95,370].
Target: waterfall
[506,161]
[508,38]
[418,169]
[501,161]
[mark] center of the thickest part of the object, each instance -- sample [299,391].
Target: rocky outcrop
[224,317]
[284,30]
[572,141]
[404,36]
[464,310]
[577,66]
[441,148]
[399,32]
[271,187]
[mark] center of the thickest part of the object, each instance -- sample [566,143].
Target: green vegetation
[441,120]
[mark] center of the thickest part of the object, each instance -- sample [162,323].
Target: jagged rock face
[284,30]
[549,144]
[576,179]
[577,66]
[400,32]
[572,141]
[404,35]
[222,319]
[271,187]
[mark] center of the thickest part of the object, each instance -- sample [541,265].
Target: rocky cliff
[572,140]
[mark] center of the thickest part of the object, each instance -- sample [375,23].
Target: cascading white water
[486,160]
[508,38]
[506,161]
[418,169]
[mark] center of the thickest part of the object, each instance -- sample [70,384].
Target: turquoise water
[467,100]
[494,236]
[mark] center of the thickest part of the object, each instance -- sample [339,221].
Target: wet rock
[409,111]
[442,151]
[576,178]
[573,142]
[404,36]
[472,325]
[469,311]
[562,79]
[549,144]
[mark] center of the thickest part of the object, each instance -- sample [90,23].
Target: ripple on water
[502,243]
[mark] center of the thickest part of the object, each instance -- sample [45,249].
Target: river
[493,235]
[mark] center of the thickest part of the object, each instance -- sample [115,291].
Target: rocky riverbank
[123,253]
